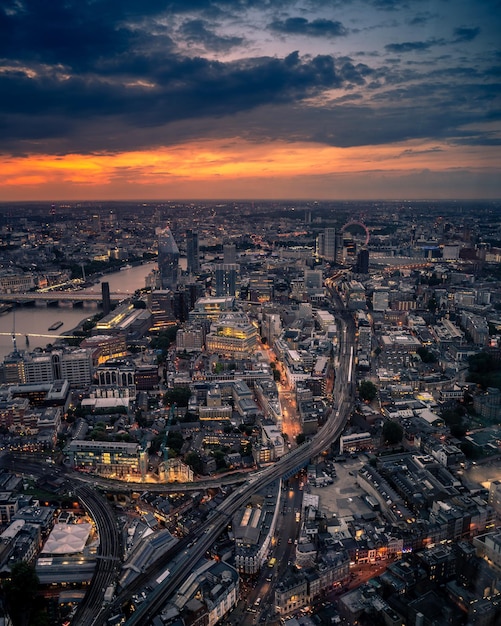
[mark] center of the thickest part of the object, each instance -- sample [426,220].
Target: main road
[92,612]
[297,458]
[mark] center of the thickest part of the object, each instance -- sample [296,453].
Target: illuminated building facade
[117,372]
[161,304]
[254,527]
[108,458]
[211,308]
[233,335]
[105,347]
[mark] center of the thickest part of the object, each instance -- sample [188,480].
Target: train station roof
[67,538]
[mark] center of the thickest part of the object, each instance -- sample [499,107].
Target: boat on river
[56,325]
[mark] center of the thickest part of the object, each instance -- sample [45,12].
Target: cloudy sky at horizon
[319,99]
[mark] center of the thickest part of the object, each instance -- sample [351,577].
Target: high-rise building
[96,224]
[362,265]
[495,495]
[75,366]
[339,246]
[161,305]
[105,292]
[326,244]
[168,258]
[226,279]
[192,252]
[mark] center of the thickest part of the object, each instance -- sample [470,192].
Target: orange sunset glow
[315,101]
[199,163]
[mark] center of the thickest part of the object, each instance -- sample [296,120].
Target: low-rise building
[254,527]
[108,458]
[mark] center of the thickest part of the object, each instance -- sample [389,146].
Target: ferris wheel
[361,225]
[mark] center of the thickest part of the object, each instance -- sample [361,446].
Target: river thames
[34,322]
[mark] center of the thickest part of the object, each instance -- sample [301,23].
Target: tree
[220,460]
[392,432]
[179,396]
[367,390]
[426,355]
[163,340]
[175,441]
[432,304]
[21,591]
[484,370]
[458,430]
[193,460]
[301,438]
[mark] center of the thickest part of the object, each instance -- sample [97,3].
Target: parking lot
[343,497]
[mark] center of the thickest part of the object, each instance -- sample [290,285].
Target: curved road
[208,532]
[92,612]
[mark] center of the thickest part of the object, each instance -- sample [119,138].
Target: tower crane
[164,447]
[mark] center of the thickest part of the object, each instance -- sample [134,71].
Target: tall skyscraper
[105,293]
[226,279]
[168,258]
[362,265]
[192,252]
[326,244]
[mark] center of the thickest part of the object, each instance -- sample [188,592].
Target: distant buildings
[362,264]
[327,241]
[192,252]
[226,279]
[168,258]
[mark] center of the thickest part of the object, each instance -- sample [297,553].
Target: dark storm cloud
[313,28]
[183,88]
[80,33]
[198,32]
[71,34]
[109,75]
[411,46]
[464,33]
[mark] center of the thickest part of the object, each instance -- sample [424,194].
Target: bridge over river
[58,296]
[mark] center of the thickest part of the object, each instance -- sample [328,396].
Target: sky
[250,99]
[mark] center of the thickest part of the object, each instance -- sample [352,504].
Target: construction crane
[164,447]
[14,344]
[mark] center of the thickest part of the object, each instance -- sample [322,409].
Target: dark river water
[34,322]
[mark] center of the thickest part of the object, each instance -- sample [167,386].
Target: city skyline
[217,100]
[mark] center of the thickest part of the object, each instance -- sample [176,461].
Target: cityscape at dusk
[250,412]
[249,99]
[250,313]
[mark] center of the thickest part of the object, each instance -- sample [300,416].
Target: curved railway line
[184,555]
